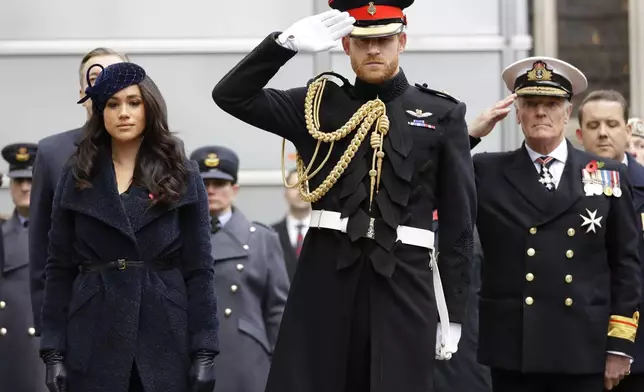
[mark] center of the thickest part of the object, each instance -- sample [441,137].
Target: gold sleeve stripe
[623,327]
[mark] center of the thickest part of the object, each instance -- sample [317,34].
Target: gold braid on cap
[371,112]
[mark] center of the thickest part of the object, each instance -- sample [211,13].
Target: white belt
[407,235]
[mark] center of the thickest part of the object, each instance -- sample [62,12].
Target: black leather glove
[56,375]
[202,372]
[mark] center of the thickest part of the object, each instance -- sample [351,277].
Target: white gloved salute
[446,346]
[317,33]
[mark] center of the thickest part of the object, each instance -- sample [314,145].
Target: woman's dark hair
[160,164]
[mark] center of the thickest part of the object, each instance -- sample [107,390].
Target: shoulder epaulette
[264,225]
[423,87]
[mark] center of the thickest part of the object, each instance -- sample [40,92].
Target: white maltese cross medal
[591,221]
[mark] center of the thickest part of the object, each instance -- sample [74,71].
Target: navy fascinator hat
[111,80]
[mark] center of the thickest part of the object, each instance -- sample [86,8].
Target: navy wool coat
[106,320]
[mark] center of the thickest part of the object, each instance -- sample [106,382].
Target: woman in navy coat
[129,295]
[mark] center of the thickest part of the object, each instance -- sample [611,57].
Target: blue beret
[111,80]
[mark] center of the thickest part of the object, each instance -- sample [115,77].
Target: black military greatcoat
[344,279]
[549,284]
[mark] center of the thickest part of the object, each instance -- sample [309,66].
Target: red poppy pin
[151,196]
[435,215]
[593,165]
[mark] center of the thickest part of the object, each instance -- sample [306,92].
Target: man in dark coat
[603,130]
[250,278]
[362,310]
[53,153]
[293,228]
[21,369]
[561,278]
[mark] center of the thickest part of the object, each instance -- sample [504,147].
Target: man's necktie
[300,239]
[545,177]
[215,225]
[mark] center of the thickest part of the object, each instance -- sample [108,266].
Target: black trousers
[631,383]
[135,380]
[358,373]
[511,381]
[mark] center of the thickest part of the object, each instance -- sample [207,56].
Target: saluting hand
[486,121]
[617,367]
[317,33]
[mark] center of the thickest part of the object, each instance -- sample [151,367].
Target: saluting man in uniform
[21,369]
[375,158]
[250,278]
[561,276]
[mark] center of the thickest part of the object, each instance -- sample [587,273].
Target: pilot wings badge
[419,113]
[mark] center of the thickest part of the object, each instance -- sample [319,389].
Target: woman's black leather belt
[122,264]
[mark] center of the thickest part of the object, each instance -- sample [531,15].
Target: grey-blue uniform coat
[21,368]
[252,286]
[103,320]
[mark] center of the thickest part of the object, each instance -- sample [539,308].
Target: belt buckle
[122,264]
[371,230]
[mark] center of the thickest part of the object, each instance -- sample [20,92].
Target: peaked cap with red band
[377,18]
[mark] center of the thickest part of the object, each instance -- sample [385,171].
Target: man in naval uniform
[250,278]
[603,130]
[21,368]
[375,158]
[561,277]
[636,144]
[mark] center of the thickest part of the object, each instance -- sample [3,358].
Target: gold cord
[371,112]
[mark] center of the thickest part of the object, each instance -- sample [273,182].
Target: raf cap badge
[22,155]
[597,181]
[211,160]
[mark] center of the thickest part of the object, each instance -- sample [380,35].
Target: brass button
[252,229]
[533,230]
[234,288]
[568,278]
[3,304]
[3,331]
[568,301]
[246,247]
[529,301]
[31,331]
[240,267]
[570,254]
[571,232]
[228,312]
[529,277]
[531,252]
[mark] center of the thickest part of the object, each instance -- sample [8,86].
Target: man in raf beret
[375,158]
[561,278]
[21,368]
[250,278]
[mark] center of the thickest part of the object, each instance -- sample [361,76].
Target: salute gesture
[317,33]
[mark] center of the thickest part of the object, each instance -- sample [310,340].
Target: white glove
[445,349]
[317,33]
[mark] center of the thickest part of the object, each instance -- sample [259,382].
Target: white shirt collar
[625,160]
[292,222]
[225,217]
[560,153]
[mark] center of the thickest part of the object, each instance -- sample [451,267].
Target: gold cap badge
[372,9]
[22,155]
[211,160]
[540,72]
